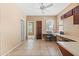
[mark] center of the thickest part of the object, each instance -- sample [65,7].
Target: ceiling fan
[44,6]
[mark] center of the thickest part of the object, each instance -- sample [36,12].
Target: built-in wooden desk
[69,48]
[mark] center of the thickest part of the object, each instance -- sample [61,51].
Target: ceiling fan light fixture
[42,6]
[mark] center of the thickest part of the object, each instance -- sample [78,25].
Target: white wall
[10,17]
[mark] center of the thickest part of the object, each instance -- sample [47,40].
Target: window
[30,27]
[61,26]
[49,25]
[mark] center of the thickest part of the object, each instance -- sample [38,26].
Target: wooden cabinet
[62,17]
[76,15]
[68,14]
[76,10]
[63,48]
[64,51]
[76,19]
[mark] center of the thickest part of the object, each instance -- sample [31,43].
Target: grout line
[48,49]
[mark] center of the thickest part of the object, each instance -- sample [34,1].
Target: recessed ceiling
[34,8]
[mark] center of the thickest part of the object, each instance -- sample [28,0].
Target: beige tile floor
[33,47]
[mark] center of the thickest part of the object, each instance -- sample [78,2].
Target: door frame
[34,36]
[22,24]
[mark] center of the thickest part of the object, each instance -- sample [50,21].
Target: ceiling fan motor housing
[42,7]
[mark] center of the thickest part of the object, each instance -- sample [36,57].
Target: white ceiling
[34,8]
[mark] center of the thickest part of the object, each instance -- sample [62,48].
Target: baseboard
[5,54]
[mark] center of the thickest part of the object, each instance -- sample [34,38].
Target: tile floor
[39,47]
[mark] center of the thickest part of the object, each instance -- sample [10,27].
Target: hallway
[33,47]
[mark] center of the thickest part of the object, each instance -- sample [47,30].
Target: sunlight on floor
[36,48]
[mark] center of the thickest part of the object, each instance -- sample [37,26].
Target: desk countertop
[72,47]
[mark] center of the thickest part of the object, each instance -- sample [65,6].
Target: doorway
[30,29]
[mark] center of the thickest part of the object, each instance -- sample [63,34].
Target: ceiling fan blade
[48,5]
[44,11]
[44,7]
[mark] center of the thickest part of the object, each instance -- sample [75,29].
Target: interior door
[22,30]
[39,29]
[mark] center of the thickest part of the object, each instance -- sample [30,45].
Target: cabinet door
[76,15]
[76,10]
[62,17]
[68,14]
[76,19]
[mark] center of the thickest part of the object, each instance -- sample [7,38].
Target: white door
[22,30]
